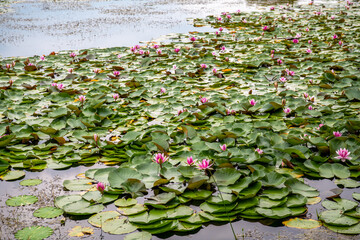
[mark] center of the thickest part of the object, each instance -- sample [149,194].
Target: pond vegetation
[209,127]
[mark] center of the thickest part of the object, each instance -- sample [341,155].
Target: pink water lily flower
[219,18]
[162,90]
[204,100]
[265,28]
[244,21]
[252,102]
[259,151]
[287,110]
[60,86]
[116,73]
[223,147]
[295,41]
[72,54]
[156,46]
[193,39]
[204,164]
[54,84]
[70,70]
[228,17]
[223,48]
[8,66]
[214,71]
[332,17]
[190,161]
[298,35]
[310,107]
[279,61]
[82,98]
[159,51]
[307,29]
[343,154]
[221,29]
[283,79]
[335,36]
[100,187]
[340,43]
[272,8]
[308,50]
[182,110]
[115,96]
[160,158]
[310,41]
[337,134]
[42,58]
[177,50]
[305,95]
[96,70]
[203,65]
[96,137]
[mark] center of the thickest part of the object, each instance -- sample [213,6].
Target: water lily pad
[118,226]
[78,184]
[355,229]
[138,236]
[125,202]
[132,210]
[12,175]
[48,212]
[21,200]
[226,176]
[339,204]
[337,218]
[34,233]
[302,223]
[82,207]
[79,231]
[30,182]
[98,219]
[348,183]
[197,194]
[356,196]
[329,170]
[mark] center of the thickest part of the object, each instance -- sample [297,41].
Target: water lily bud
[283,102]
[250,92]
[276,85]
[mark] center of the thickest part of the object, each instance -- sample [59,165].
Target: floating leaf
[118,226]
[79,231]
[302,223]
[12,175]
[21,200]
[138,236]
[30,182]
[98,219]
[48,212]
[34,233]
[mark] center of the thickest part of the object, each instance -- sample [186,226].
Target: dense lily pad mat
[245,111]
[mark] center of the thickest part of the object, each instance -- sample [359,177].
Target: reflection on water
[42,26]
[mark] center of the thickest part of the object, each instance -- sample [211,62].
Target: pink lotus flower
[204,100]
[259,151]
[252,102]
[72,54]
[82,98]
[265,28]
[193,39]
[96,70]
[337,134]
[214,71]
[100,187]
[310,107]
[295,41]
[223,147]
[340,43]
[190,161]
[160,158]
[308,50]
[116,73]
[279,61]
[60,86]
[203,65]
[156,46]
[310,42]
[335,36]
[343,154]
[176,50]
[287,110]
[70,70]
[204,164]
[272,8]
[283,79]
[115,96]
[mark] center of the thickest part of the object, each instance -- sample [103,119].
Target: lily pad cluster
[267,98]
